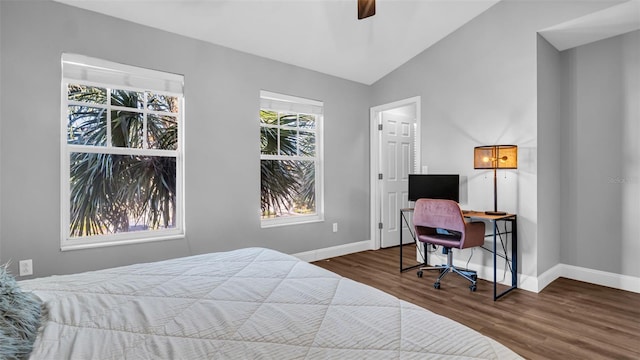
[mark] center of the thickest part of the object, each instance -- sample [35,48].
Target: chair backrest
[438,213]
[429,215]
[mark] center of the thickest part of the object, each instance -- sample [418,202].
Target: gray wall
[550,220]
[221,129]
[479,87]
[492,81]
[601,155]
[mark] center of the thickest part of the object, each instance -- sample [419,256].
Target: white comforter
[244,304]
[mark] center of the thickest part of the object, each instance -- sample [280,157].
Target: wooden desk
[511,262]
[493,219]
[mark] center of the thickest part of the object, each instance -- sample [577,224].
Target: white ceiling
[325,35]
[321,35]
[612,21]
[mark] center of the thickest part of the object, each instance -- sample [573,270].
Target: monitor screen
[434,187]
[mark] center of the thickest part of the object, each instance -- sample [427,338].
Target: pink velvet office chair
[440,222]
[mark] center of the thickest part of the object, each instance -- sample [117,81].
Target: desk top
[482,215]
[477,214]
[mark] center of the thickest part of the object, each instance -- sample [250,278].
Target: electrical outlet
[26,267]
[335,227]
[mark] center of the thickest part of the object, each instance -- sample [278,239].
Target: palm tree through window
[289,160]
[122,157]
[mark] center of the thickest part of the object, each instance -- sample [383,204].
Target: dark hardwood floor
[567,320]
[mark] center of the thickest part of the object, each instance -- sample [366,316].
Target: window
[290,159]
[121,153]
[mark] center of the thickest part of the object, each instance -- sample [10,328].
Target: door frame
[375,156]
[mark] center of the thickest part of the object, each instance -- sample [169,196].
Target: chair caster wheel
[419,273]
[436,285]
[473,288]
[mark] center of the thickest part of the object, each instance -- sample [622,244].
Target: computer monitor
[434,186]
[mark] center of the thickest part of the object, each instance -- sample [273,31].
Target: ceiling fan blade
[366,8]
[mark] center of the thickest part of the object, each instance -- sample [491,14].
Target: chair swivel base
[444,269]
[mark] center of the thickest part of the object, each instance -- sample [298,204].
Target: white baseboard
[536,284]
[321,254]
[525,282]
[484,272]
[548,277]
[598,277]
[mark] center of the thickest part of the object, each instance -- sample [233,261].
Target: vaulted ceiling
[326,36]
[321,35]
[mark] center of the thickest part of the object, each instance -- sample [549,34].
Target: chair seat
[440,239]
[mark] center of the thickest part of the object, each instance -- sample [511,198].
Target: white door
[396,162]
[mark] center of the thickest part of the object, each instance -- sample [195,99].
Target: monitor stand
[495,212]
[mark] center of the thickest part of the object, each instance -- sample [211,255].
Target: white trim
[318,159]
[122,151]
[484,271]
[88,69]
[375,118]
[541,281]
[79,69]
[289,157]
[87,244]
[335,251]
[65,192]
[525,282]
[598,277]
[291,220]
[528,282]
[374,158]
[536,284]
[592,276]
[264,94]
[288,103]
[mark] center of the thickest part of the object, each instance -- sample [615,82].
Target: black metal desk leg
[514,257]
[404,220]
[495,261]
[401,217]
[514,253]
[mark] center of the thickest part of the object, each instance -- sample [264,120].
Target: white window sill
[89,244]
[277,222]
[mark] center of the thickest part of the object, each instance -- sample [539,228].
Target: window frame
[145,80]
[272,101]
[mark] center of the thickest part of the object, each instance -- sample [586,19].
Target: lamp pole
[495,190]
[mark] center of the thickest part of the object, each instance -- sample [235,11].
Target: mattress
[251,303]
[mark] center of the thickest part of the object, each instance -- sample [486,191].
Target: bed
[251,303]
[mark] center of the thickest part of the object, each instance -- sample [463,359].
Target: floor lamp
[495,157]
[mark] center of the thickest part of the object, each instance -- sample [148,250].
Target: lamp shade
[495,157]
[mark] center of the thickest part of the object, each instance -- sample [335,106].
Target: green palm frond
[286,184]
[109,191]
